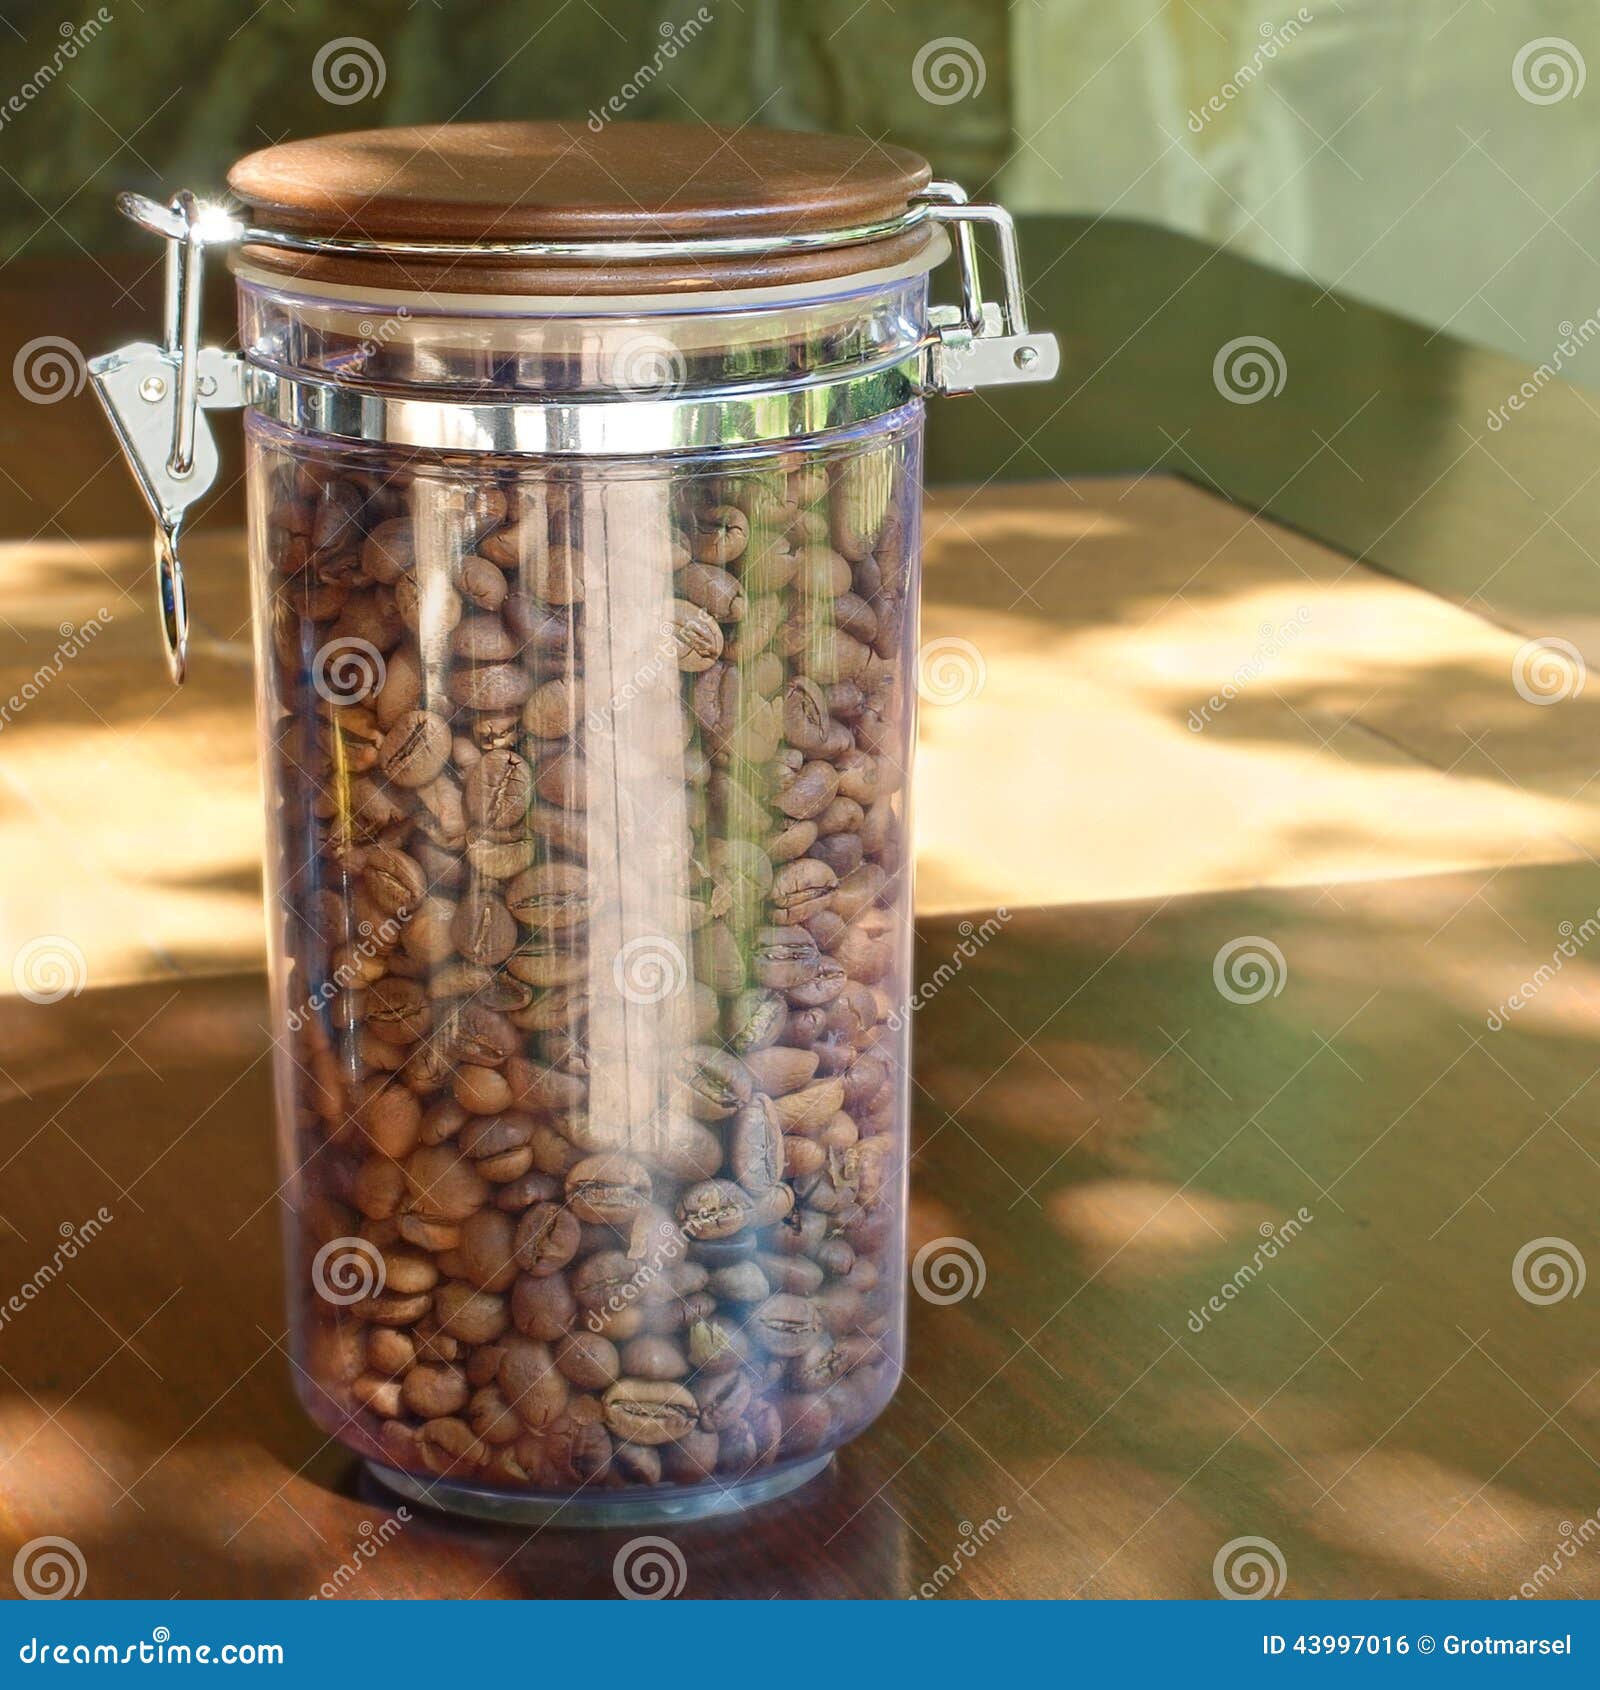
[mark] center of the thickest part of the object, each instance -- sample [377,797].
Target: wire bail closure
[156,396]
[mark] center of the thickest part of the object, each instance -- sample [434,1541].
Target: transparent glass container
[584,491]
[589,891]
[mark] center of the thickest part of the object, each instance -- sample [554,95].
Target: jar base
[602,1508]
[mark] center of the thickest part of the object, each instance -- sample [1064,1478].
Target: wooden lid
[562,181]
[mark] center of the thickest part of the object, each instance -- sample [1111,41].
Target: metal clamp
[154,396]
[977,343]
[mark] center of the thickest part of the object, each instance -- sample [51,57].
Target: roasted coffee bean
[714,1082]
[589,1361]
[755,1021]
[720,535]
[697,636]
[723,1399]
[546,1239]
[554,896]
[472,1315]
[716,590]
[684,1147]
[416,749]
[543,1306]
[806,721]
[483,929]
[443,1185]
[755,1146]
[610,1190]
[785,1325]
[498,790]
[651,1357]
[649,1411]
[482,584]
[781,1068]
[391,1121]
[387,552]
[530,1382]
[801,890]
[714,1208]
[785,957]
[487,1249]
[613,1277]
[829,978]
[740,1282]
[397,1011]
[489,686]
[430,1390]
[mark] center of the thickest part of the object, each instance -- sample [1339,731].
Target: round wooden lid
[562,181]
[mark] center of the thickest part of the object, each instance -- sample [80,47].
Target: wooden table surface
[1374,808]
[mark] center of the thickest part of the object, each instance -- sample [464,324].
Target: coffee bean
[430,1390]
[755,1146]
[801,890]
[781,1068]
[755,1022]
[498,790]
[714,1208]
[696,635]
[785,957]
[546,1239]
[415,749]
[487,1249]
[472,1315]
[531,1383]
[720,535]
[714,1082]
[483,929]
[588,1360]
[442,1185]
[651,1357]
[543,1306]
[740,1282]
[649,1411]
[610,1190]
[482,583]
[553,896]
[785,1325]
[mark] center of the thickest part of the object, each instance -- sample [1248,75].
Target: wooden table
[1114,1136]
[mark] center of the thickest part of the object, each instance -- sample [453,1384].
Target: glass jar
[585,571]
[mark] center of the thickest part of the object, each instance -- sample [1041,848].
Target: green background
[1383,149]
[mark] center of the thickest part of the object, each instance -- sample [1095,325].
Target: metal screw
[1025,357]
[152,388]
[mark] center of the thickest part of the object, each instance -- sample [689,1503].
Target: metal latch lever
[154,397]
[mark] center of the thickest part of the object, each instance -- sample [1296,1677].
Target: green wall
[1383,147]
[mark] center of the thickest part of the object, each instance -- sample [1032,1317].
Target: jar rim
[314,290]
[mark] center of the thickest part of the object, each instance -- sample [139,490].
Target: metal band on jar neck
[614,425]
